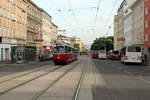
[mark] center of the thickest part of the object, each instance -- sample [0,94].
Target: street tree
[103,43]
[76,45]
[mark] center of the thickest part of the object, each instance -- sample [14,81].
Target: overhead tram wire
[72,11]
[105,26]
[71,8]
[97,10]
[59,10]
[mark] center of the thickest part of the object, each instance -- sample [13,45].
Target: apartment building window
[4,12]
[146,24]
[8,14]
[1,11]
[147,37]
[146,11]
[13,17]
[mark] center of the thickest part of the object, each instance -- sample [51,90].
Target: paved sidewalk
[23,64]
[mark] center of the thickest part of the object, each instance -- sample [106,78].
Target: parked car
[113,55]
[132,54]
[102,54]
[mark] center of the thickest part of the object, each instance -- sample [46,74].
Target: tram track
[25,82]
[18,75]
[77,91]
[68,82]
[51,84]
[44,90]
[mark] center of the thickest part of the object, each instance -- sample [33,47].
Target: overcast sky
[78,17]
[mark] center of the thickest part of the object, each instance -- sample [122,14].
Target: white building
[128,29]
[5,52]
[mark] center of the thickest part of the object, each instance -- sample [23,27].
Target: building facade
[128,29]
[147,23]
[46,29]
[119,29]
[147,29]
[138,21]
[115,33]
[78,41]
[54,34]
[133,22]
[34,26]
[13,25]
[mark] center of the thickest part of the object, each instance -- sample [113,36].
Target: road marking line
[127,72]
[119,68]
[146,81]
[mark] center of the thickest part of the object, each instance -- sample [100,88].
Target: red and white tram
[94,53]
[64,54]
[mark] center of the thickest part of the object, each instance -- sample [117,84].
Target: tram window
[94,51]
[75,51]
[59,49]
[66,49]
[69,50]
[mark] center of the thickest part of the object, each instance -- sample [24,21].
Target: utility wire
[60,11]
[115,3]
[72,11]
[71,8]
[96,17]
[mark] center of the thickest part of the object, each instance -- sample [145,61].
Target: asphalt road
[122,82]
[10,69]
[103,80]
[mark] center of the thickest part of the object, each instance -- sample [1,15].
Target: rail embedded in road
[76,94]
[52,83]
[20,74]
[25,82]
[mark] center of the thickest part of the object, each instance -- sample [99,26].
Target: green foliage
[77,46]
[103,43]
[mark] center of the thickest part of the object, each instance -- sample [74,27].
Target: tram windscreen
[102,51]
[95,51]
[59,49]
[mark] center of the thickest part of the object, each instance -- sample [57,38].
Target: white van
[131,54]
[102,54]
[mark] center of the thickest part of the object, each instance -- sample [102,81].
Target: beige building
[71,41]
[13,18]
[54,34]
[34,26]
[78,41]
[13,27]
[49,30]
[46,29]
